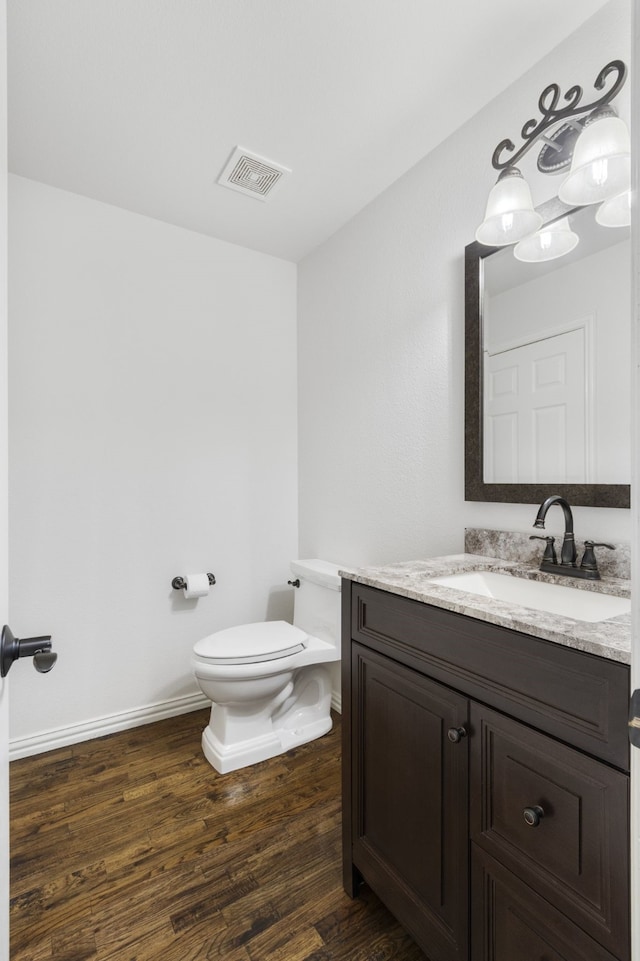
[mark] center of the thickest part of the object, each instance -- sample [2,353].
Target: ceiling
[139,103]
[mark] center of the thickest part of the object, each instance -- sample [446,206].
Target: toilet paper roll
[196,585]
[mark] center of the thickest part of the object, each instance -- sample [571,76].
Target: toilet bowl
[269,682]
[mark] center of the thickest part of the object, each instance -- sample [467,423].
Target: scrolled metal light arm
[534,130]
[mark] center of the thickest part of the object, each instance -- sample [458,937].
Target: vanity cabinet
[485,784]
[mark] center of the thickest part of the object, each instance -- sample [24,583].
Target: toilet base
[299,714]
[225,758]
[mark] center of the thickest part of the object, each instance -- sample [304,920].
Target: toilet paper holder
[178,583]
[39,648]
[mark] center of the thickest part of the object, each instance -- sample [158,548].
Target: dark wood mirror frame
[581,495]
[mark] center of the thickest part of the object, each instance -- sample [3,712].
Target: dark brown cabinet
[556,818]
[511,922]
[471,805]
[409,799]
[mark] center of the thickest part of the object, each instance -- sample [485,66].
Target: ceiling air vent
[252,175]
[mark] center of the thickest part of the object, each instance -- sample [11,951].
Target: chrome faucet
[568,553]
[567,564]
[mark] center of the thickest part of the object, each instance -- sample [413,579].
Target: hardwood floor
[132,848]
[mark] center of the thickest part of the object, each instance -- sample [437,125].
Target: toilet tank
[317,600]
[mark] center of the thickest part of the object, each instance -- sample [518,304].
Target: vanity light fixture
[551,242]
[615,212]
[601,165]
[590,137]
[509,215]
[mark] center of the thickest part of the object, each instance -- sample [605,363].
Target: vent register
[252,175]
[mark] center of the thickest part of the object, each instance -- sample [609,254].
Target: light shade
[601,165]
[551,242]
[509,215]
[615,212]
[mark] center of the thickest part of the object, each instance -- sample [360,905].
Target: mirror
[547,369]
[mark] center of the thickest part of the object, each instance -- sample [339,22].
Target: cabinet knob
[455,734]
[533,815]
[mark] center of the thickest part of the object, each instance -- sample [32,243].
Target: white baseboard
[111,723]
[100,726]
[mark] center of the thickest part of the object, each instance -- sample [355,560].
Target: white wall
[381,341]
[635,508]
[4,682]
[152,433]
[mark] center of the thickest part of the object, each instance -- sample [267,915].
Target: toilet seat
[251,643]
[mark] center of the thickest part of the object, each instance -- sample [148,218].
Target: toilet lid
[251,643]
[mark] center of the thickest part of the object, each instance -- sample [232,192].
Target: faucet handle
[589,562]
[550,551]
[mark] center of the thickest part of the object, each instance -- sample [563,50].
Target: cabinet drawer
[574,852]
[576,697]
[511,923]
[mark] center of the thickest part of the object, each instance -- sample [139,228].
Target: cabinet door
[510,922]
[409,799]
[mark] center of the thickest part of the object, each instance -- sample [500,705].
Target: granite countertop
[609,638]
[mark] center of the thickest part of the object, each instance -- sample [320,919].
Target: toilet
[270,683]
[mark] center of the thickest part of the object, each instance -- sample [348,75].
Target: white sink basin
[552,598]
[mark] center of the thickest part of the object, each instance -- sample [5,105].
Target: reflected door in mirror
[536,423]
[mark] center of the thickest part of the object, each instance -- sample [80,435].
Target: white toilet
[270,682]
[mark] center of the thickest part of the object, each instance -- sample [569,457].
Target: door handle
[39,648]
